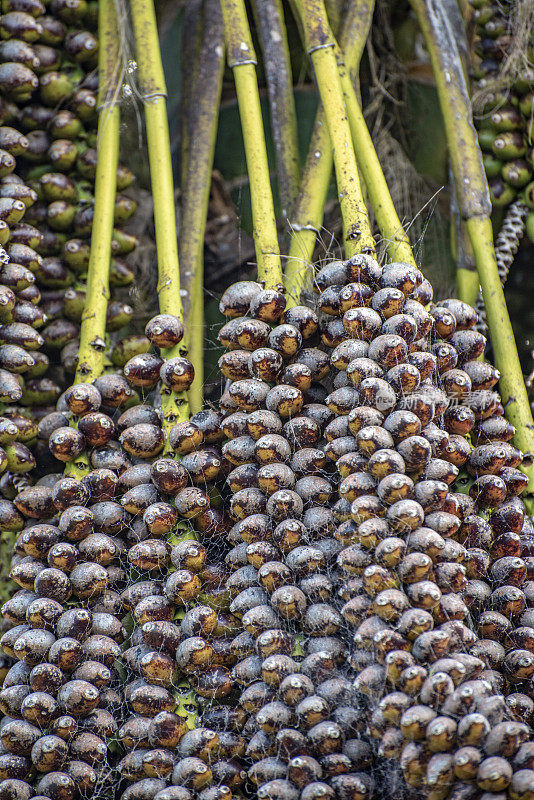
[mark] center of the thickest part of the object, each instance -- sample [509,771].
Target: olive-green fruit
[486,138]
[122,242]
[506,118]
[501,193]
[55,88]
[19,25]
[17,81]
[509,144]
[128,347]
[492,165]
[517,172]
[528,195]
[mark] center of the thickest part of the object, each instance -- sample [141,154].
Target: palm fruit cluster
[321,591]
[357,596]
[179,652]
[308,586]
[48,82]
[399,564]
[505,124]
[57,745]
[99,552]
[59,698]
[426,569]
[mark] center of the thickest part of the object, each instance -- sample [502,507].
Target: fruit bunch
[506,118]
[176,592]
[49,82]
[98,537]
[66,634]
[422,571]
[321,590]
[30,55]
[390,566]
[61,165]
[325,624]
[60,748]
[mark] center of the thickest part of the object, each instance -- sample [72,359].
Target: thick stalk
[191,35]
[153,93]
[93,326]
[467,285]
[475,208]
[242,60]
[308,217]
[320,45]
[306,224]
[467,281]
[175,406]
[397,242]
[464,152]
[334,9]
[277,65]
[197,167]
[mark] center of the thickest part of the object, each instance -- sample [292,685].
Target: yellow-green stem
[321,47]
[93,326]
[468,285]
[153,91]
[242,60]
[306,223]
[197,167]
[91,353]
[397,242]
[334,10]
[307,220]
[472,195]
[475,207]
[174,405]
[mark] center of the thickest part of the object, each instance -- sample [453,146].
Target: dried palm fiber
[506,246]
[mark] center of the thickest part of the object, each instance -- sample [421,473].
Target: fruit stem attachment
[475,207]
[271,27]
[174,405]
[242,60]
[93,325]
[200,129]
[308,217]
